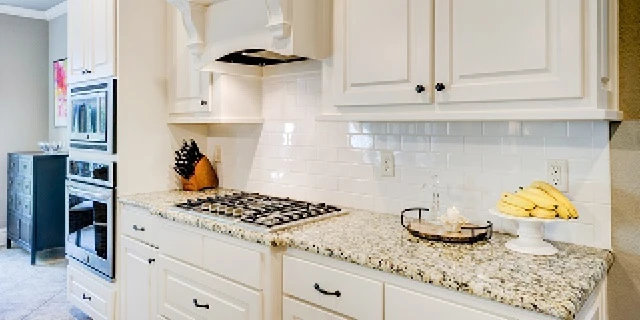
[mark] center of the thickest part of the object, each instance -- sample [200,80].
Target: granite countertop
[556,285]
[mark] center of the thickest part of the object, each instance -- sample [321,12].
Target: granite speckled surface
[554,285]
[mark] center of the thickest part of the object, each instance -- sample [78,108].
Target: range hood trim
[277,36]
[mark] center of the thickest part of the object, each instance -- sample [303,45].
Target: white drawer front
[190,293]
[233,262]
[359,298]
[181,244]
[296,310]
[402,304]
[139,225]
[88,295]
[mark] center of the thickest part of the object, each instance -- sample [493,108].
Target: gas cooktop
[265,213]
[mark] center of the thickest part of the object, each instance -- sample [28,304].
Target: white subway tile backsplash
[339,162]
[502,128]
[545,129]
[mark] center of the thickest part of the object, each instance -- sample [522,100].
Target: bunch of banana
[565,208]
[540,200]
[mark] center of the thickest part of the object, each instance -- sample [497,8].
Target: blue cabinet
[36,201]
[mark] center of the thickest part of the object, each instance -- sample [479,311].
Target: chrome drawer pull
[325,292]
[136,228]
[195,302]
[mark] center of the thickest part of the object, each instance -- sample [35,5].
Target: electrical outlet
[217,156]
[558,174]
[387,164]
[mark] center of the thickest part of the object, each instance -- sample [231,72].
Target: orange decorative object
[204,177]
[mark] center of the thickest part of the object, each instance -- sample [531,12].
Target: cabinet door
[24,230]
[382,52]
[508,50]
[138,297]
[189,86]
[401,304]
[102,45]
[296,310]
[78,27]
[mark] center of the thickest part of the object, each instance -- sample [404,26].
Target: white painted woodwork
[180,284]
[134,220]
[91,41]
[498,59]
[509,50]
[382,52]
[181,244]
[94,296]
[77,37]
[102,47]
[233,262]
[596,307]
[360,298]
[297,310]
[137,277]
[231,94]
[402,304]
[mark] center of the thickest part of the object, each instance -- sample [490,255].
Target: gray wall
[624,277]
[57,50]
[24,79]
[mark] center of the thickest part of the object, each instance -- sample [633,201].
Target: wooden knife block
[204,177]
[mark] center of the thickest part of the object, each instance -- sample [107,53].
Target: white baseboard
[3,237]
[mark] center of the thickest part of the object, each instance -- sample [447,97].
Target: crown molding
[56,11]
[50,14]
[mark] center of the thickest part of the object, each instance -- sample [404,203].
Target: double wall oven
[90,220]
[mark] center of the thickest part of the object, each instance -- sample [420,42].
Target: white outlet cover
[558,174]
[387,164]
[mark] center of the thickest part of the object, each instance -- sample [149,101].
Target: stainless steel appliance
[90,218]
[257,211]
[92,113]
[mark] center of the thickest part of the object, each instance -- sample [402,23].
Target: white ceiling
[40,5]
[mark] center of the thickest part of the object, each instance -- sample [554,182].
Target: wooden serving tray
[469,233]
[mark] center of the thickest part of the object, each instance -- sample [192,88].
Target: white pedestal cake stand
[530,235]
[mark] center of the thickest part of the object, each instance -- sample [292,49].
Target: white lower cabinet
[402,304]
[138,299]
[296,310]
[94,296]
[186,292]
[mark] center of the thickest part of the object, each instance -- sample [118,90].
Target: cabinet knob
[136,228]
[203,103]
[440,86]
[420,88]
[88,71]
[152,261]
[84,71]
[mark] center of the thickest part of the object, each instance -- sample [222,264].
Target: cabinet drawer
[25,186]
[402,304]
[233,262]
[25,230]
[186,292]
[13,225]
[93,298]
[26,166]
[181,244]
[358,298]
[12,183]
[11,202]
[13,164]
[296,310]
[139,225]
[23,205]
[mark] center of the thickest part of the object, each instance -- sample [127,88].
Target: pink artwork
[60,93]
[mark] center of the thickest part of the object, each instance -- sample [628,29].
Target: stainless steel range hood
[256,32]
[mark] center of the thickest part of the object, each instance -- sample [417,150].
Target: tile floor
[34,292]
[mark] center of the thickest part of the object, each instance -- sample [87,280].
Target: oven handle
[92,195]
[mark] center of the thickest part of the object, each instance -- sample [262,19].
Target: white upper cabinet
[383,52]
[91,39]
[509,50]
[469,60]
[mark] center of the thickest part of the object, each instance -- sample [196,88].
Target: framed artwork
[60,93]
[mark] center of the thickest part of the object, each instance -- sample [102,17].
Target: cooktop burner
[266,212]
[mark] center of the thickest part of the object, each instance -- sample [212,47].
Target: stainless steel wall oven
[90,218]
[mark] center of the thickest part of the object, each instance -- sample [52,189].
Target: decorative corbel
[279,12]
[193,17]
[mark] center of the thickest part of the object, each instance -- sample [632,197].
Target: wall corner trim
[50,14]
[3,237]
